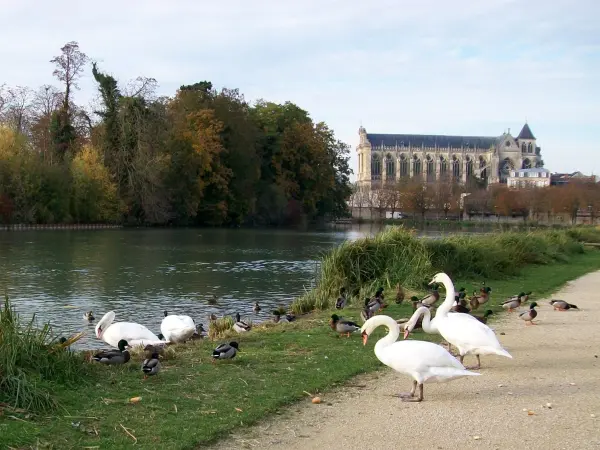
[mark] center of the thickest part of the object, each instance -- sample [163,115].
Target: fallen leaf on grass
[135,399]
[238,410]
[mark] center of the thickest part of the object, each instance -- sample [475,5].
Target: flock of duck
[423,361]
[426,362]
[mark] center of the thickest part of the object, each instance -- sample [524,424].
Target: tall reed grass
[32,363]
[397,255]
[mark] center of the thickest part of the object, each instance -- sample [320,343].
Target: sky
[459,67]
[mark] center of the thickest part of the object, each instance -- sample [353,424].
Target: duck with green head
[120,356]
[343,326]
[484,318]
[528,316]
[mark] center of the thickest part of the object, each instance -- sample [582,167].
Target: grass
[193,402]
[32,363]
[399,256]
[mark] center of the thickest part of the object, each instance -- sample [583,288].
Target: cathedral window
[430,166]
[390,167]
[403,166]
[469,166]
[455,167]
[443,166]
[416,166]
[375,167]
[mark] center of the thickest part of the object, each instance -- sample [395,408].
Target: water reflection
[139,273]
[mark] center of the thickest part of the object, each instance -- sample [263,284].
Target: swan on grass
[424,361]
[463,331]
[134,333]
[176,328]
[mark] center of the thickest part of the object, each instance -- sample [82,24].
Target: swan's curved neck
[448,303]
[426,324]
[393,331]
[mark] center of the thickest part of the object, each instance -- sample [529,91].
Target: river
[138,273]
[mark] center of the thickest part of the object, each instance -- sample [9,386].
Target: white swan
[134,333]
[463,331]
[177,328]
[424,361]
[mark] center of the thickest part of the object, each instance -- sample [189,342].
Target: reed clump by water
[219,327]
[33,363]
[397,255]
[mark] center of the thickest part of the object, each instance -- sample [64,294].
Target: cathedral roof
[430,140]
[526,133]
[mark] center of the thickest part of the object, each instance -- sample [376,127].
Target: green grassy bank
[192,401]
[397,255]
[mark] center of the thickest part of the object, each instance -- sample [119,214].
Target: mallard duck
[341,301]
[525,297]
[213,300]
[416,303]
[225,351]
[375,304]
[89,316]
[379,294]
[481,298]
[279,317]
[151,349]
[460,306]
[120,356]
[343,326]
[256,307]
[561,305]
[529,315]
[484,318]
[513,303]
[399,294]
[431,299]
[365,314]
[200,332]
[240,326]
[212,317]
[151,365]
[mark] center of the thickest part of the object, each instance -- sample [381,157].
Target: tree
[567,200]
[46,101]
[420,197]
[446,195]
[69,66]
[17,109]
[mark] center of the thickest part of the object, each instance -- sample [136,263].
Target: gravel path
[555,364]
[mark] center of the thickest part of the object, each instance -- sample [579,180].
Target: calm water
[139,273]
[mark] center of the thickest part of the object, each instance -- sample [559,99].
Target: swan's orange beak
[406,333]
[365,337]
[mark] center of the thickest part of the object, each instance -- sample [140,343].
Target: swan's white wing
[133,333]
[177,328]
[469,334]
[417,355]
[187,321]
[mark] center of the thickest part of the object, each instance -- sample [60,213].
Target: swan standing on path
[134,333]
[176,328]
[424,361]
[463,331]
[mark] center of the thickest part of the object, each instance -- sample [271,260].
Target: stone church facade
[384,158]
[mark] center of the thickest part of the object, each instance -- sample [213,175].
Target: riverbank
[193,402]
[58,226]
[553,375]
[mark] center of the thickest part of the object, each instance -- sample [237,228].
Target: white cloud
[460,67]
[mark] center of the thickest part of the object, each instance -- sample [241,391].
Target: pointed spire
[526,133]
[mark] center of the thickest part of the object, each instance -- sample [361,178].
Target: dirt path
[556,362]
